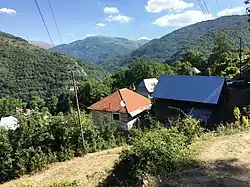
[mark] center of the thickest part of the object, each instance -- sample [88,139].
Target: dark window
[116,117]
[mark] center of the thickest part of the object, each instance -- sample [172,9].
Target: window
[116,117]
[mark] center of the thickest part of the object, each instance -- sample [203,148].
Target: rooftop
[202,89]
[133,103]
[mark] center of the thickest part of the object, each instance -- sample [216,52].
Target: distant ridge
[98,49]
[41,44]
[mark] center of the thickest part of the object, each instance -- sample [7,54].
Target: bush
[42,138]
[189,126]
[156,152]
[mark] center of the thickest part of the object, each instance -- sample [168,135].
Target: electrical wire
[44,23]
[206,7]
[218,4]
[202,8]
[54,18]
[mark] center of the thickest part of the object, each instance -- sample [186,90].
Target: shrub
[5,155]
[42,138]
[155,152]
[189,126]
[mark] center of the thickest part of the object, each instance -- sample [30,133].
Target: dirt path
[220,161]
[86,171]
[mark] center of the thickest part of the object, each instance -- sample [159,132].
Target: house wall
[143,91]
[162,110]
[125,119]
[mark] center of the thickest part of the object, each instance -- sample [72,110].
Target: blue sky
[131,19]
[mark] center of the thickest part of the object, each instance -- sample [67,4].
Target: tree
[92,92]
[223,60]
[35,103]
[8,106]
[183,68]
[141,68]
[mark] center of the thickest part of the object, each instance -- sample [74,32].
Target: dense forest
[200,37]
[26,69]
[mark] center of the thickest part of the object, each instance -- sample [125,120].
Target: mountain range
[200,36]
[41,44]
[114,53]
[26,69]
[99,49]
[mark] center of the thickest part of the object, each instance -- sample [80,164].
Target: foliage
[65,184]
[8,106]
[237,113]
[42,138]
[91,92]
[200,37]
[98,49]
[28,70]
[189,126]
[155,152]
[140,69]
[5,155]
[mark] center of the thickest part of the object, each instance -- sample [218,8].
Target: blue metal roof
[202,89]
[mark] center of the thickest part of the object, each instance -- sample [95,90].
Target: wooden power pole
[78,109]
[240,58]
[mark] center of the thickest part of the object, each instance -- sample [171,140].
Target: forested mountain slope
[200,36]
[26,69]
[98,49]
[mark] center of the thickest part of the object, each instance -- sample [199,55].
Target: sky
[132,19]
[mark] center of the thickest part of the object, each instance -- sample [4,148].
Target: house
[123,106]
[146,87]
[9,122]
[198,96]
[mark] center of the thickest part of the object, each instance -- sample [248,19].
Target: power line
[41,15]
[218,4]
[206,7]
[54,18]
[202,8]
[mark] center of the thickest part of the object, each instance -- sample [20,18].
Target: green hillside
[98,49]
[200,36]
[26,69]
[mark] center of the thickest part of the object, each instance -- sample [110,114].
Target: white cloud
[90,35]
[182,19]
[111,10]
[119,18]
[100,24]
[161,5]
[143,38]
[7,11]
[232,11]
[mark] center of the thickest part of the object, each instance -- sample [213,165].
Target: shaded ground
[219,161]
[87,171]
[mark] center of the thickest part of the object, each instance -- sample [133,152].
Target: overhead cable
[44,23]
[54,18]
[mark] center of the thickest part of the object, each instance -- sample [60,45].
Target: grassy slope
[220,161]
[87,171]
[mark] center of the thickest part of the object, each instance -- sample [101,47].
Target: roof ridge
[119,91]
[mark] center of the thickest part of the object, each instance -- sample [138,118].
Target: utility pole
[240,58]
[78,109]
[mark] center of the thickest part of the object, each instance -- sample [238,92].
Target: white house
[9,122]
[147,87]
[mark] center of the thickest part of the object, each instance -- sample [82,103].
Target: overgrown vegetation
[26,70]
[42,138]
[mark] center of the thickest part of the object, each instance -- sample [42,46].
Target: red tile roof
[135,103]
